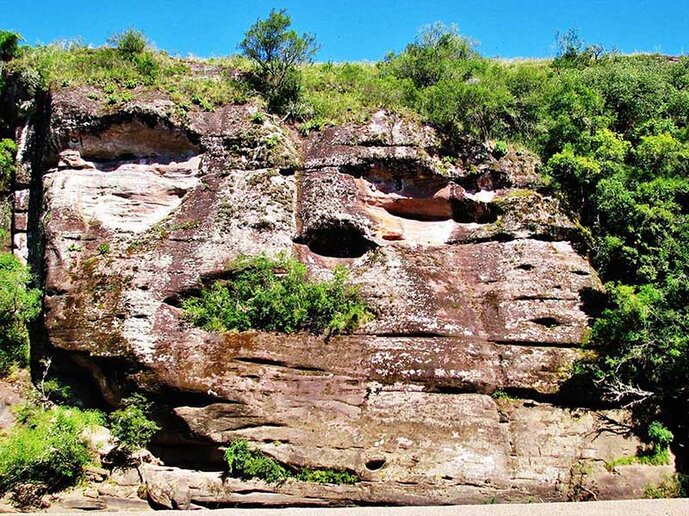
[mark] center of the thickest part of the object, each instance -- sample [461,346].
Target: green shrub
[572,52]
[500,149]
[47,447]
[245,463]
[432,56]
[9,45]
[673,486]
[19,305]
[326,476]
[131,425]
[277,295]
[8,149]
[130,43]
[660,439]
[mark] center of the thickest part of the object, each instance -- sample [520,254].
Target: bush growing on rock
[131,425]
[7,151]
[245,463]
[277,295]
[19,304]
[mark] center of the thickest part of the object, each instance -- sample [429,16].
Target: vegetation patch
[47,448]
[245,463]
[131,425]
[19,304]
[655,453]
[674,486]
[276,294]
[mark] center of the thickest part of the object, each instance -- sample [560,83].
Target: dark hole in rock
[375,464]
[468,210]
[580,273]
[338,239]
[548,322]
[592,301]
[525,267]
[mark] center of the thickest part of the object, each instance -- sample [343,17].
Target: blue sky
[359,30]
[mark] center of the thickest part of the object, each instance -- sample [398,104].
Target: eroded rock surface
[470,266]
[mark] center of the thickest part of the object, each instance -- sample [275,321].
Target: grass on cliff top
[277,295]
[188,82]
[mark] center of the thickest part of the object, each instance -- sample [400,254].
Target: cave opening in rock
[375,464]
[338,239]
[548,322]
[469,210]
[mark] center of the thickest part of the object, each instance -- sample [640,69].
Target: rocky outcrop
[469,265]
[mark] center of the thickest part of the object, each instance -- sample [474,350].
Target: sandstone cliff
[468,262]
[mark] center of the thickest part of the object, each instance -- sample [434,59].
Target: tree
[130,43]
[9,45]
[277,50]
[572,52]
[433,55]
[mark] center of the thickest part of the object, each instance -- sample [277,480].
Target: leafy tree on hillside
[277,51]
[572,52]
[9,45]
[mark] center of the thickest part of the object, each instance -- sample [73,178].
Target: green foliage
[660,438]
[572,52]
[673,486]
[115,73]
[245,463]
[500,149]
[501,395]
[277,295]
[9,45]
[103,248]
[130,43]
[326,476]
[19,304]
[8,149]
[663,155]
[131,425]
[46,447]
[656,453]
[349,92]
[432,56]
[277,51]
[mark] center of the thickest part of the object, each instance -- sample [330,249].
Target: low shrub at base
[245,463]
[47,447]
[130,424]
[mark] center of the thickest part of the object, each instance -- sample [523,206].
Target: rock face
[469,265]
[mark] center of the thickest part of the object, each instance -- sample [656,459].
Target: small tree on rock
[277,51]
